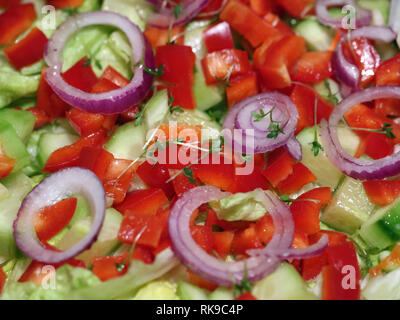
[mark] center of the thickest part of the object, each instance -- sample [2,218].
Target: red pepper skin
[97,160]
[41,118]
[159,37]
[60,4]
[218,37]
[279,166]
[6,165]
[246,22]
[3,279]
[219,64]
[81,75]
[313,67]
[246,296]
[382,192]
[27,51]
[297,8]
[222,242]
[156,177]
[16,20]
[51,220]
[241,87]
[300,176]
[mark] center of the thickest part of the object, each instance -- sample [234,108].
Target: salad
[200,149]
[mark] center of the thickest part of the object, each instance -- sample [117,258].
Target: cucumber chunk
[327,174]
[222,293]
[349,208]
[285,283]
[382,229]
[318,37]
[156,110]
[23,122]
[188,291]
[127,141]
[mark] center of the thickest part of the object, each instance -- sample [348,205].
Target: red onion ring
[165,17]
[199,261]
[58,186]
[347,72]
[240,119]
[363,16]
[110,102]
[354,167]
[394,21]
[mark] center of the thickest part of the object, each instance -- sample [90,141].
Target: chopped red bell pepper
[262,7]
[68,156]
[246,296]
[7,3]
[313,67]
[84,123]
[377,146]
[201,282]
[218,175]
[392,260]
[156,177]
[143,202]
[388,73]
[183,95]
[279,60]
[178,62]
[218,37]
[220,65]
[222,242]
[27,51]
[247,183]
[265,228]
[159,37]
[15,20]
[203,236]
[181,183]
[81,75]
[97,160]
[118,178]
[48,101]
[297,8]
[60,4]
[241,87]
[115,77]
[245,240]
[300,176]
[245,21]
[279,166]
[363,53]
[6,165]
[304,99]
[382,192]
[41,118]
[3,279]
[52,219]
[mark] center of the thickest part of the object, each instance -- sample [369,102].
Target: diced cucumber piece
[329,90]
[4,193]
[210,129]
[383,287]
[138,11]
[8,212]
[188,291]
[85,42]
[327,174]
[89,5]
[206,96]
[12,145]
[285,283]
[349,208]
[106,241]
[383,228]
[318,37]
[50,142]
[82,210]
[127,141]
[222,293]
[156,109]
[157,290]
[18,185]
[33,69]
[194,37]
[23,122]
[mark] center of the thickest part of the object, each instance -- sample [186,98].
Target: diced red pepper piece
[222,242]
[156,177]
[382,192]
[6,165]
[304,99]
[280,58]
[143,202]
[96,159]
[297,8]
[181,183]
[203,237]
[52,219]
[183,95]
[279,166]
[388,73]
[218,175]
[313,67]
[262,7]
[81,75]
[3,279]
[159,37]
[241,87]
[16,20]
[60,4]
[115,77]
[245,240]
[41,118]
[218,37]
[392,260]
[68,156]
[178,62]
[247,183]
[85,123]
[246,296]
[27,51]
[300,176]
[265,228]
[245,21]
[201,282]
[218,65]
[7,3]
